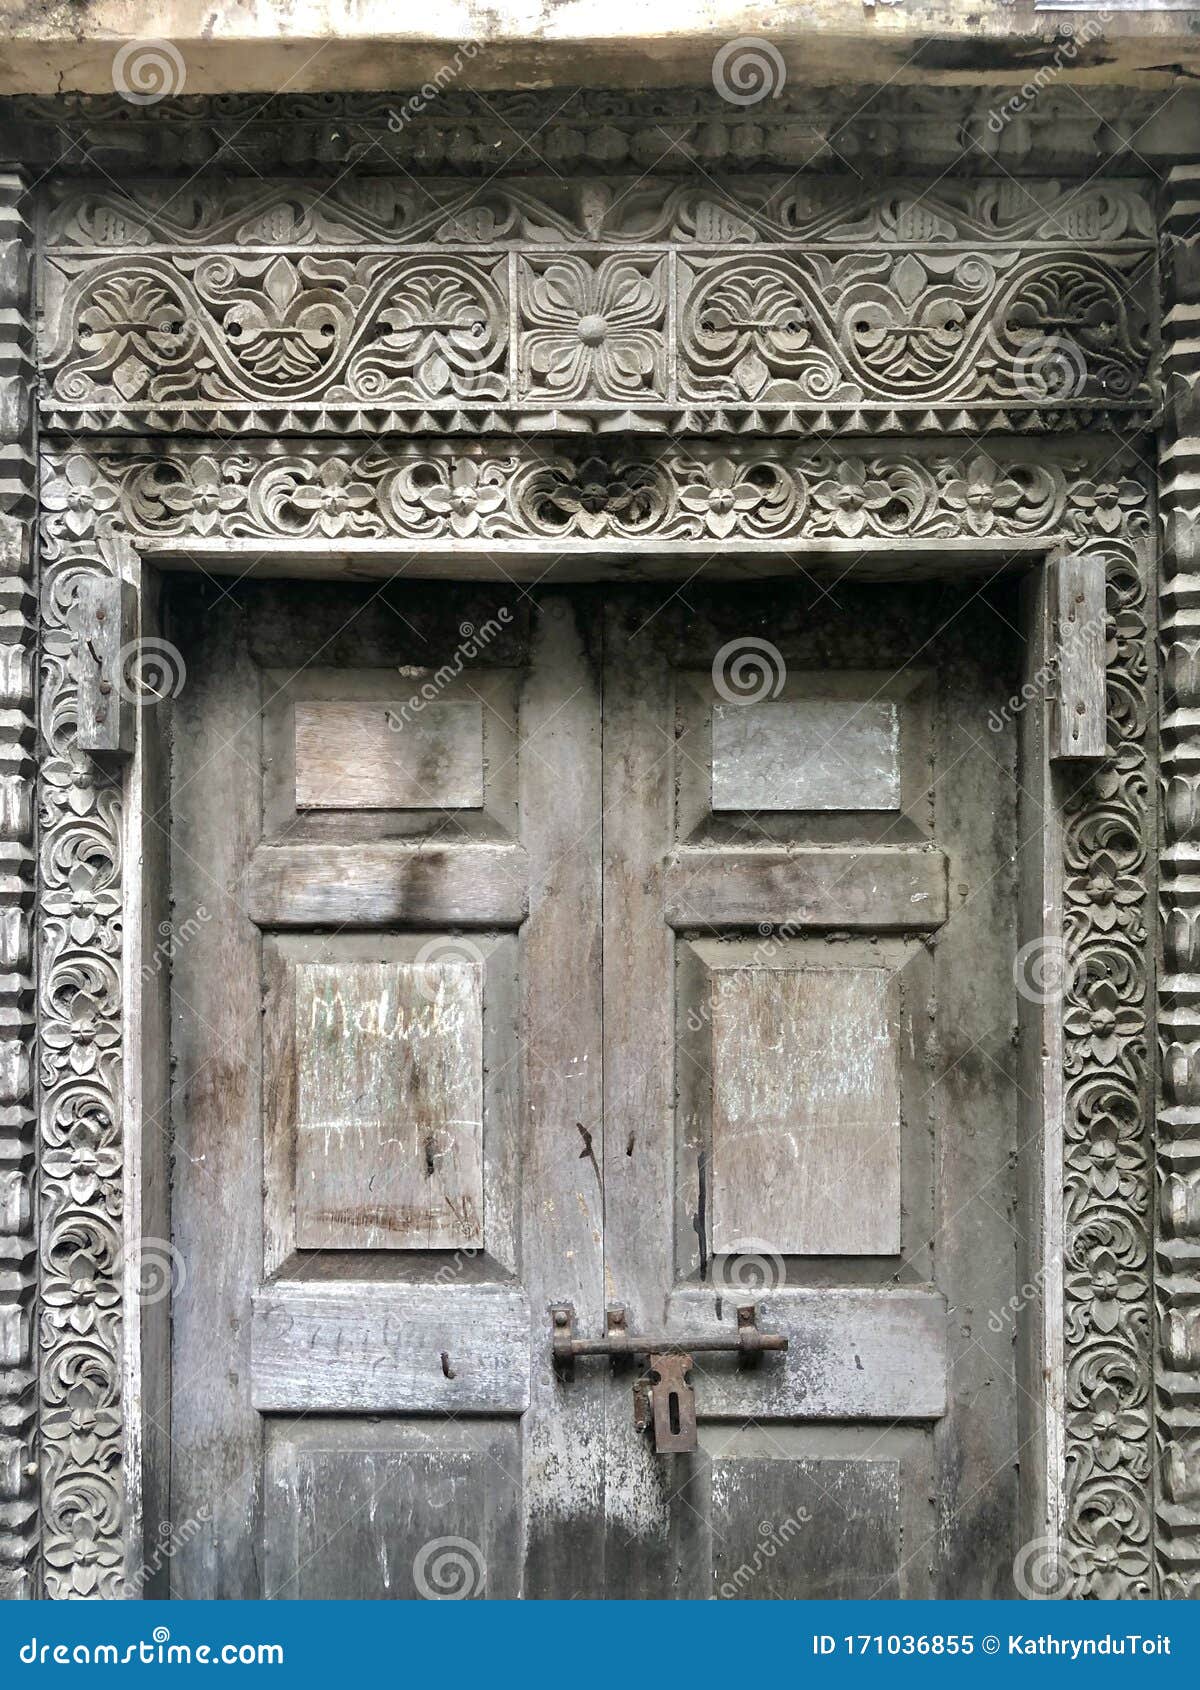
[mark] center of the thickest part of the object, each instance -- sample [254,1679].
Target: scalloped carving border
[1095,496]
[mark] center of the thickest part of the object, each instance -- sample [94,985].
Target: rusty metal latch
[663,1397]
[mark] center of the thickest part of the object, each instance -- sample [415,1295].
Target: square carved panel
[806,1112]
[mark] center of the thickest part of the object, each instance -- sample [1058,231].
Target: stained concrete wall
[47,46]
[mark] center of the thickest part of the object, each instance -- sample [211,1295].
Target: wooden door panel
[391,1510]
[392,904]
[591,983]
[389,1348]
[384,883]
[879,889]
[853,1354]
[803,1014]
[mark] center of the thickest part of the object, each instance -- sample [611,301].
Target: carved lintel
[1077,592]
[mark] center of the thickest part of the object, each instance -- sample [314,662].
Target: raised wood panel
[359,754]
[805,1530]
[391,1512]
[466,885]
[819,887]
[851,1355]
[806,1112]
[389,1105]
[391,1348]
[806,754]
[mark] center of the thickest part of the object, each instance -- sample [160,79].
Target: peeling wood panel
[389,1105]
[879,889]
[806,754]
[357,754]
[466,885]
[806,1112]
[378,1349]
[852,1355]
[391,1511]
[805,1530]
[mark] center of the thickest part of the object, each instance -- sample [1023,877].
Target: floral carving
[592,328]
[345,328]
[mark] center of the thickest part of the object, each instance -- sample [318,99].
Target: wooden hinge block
[1079,728]
[104,615]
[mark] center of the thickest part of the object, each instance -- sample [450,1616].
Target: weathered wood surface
[467,885]
[105,618]
[806,1112]
[562,1039]
[852,1355]
[654,1548]
[358,754]
[389,1105]
[1080,714]
[391,1349]
[216,1436]
[806,754]
[807,1530]
[391,1510]
[879,889]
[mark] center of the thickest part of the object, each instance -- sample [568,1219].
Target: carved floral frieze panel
[501,491]
[792,311]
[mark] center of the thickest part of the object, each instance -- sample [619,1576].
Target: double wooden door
[579,948]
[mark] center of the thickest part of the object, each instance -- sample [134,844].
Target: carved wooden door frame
[1116,1428]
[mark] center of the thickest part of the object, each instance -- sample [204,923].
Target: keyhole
[673,1412]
